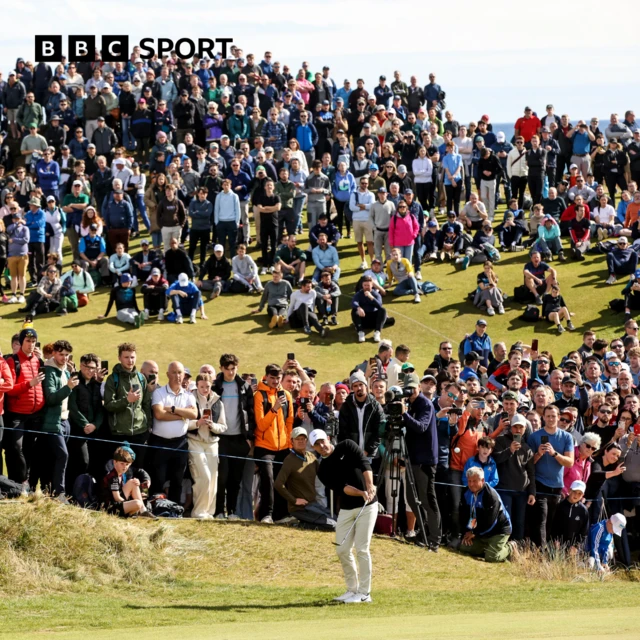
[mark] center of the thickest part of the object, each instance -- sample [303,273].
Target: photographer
[346,470]
[422,444]
[325,415]
[361,417]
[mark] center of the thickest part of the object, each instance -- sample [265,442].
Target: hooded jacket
[273,430]
[124,417]
[56,393]
[403,230]
[372,423]
[207,435]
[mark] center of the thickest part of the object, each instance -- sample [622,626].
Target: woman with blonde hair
[294,145]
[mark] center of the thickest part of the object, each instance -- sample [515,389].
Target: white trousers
[203,465]
[360,538]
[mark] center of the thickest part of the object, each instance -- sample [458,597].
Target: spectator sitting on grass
[124,297]
[276,295]
[245,271]
[186,299]
[215,273]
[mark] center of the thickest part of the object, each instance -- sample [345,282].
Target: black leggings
[453,196]
[230,470]
[425,192]
[342,216]
[613,180]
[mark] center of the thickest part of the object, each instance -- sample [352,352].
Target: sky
[491,58]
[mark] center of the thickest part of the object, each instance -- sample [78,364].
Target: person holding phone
[516,474]
[52,447]
[553,449]
[203,437]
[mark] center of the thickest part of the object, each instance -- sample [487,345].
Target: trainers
[358,598]
[233,516]
[307,329]
[410,534]
[263,271]
[345,596]
[273,322]
[13,300]
[281,320]
[214,294]
[514,552]
[363,265]
[360,336]
[570,326]
[325,321]
[325,332]
[21,300]
[376,336]
[136,321]
[441,256]
[161,315]
[179,320]
[220,516]
[465,262]
[142,319]
[538,299]
[611,279]
[62,312]
[561,256]
[418,276]
[512,248]
[491,311]
[433,256]
[192,318]
[146,314]
[287,520]
[147,514]
[267,520]
[600,234]
[500,309]
[333,321]
[5,299]
[416,299]
[560,329]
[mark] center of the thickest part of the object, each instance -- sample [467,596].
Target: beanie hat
[27,333]
[358,376]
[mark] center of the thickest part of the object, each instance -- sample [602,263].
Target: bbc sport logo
[116,48]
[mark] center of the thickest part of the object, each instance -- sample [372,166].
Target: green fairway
[443,315]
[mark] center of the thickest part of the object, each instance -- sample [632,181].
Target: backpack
[116,381]
[530,314]
[9,488]
[163,508]
[16,363]
[84,494]
[522,294]
[428,287]
[617,305]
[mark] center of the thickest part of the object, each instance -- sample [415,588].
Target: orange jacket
[273,430]
[631,216]
[466,441]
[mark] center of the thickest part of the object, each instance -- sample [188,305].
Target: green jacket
[56,392]
[30,113]
[125,418]
[286,191]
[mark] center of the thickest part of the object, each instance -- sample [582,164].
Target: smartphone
[104,364]
[291,356]
[636,429]
[152,378]
[206,414]
[544,440]
[281,394]
[330,398]
[517,438]
[75,374]
[504,415]
[254,381]
[373,363]
[534,344]
[135,387]
[481,404]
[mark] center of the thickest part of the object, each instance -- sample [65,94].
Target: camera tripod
[395,452]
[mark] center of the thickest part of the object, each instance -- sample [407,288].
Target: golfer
[346,470]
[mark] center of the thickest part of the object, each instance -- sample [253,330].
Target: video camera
[394,405]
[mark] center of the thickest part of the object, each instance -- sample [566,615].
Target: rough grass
[443,315]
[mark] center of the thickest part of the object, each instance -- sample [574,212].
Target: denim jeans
[127,139]
[515,502]
[227,231]
[406,251]
[408,285]
[298,203]
[317,272]
[140,206]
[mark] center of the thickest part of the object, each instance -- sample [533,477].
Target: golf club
[346,535]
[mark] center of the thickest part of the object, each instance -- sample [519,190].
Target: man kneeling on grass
[121,495]
[488,523]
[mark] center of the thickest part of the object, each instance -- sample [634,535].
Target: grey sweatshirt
[276,295]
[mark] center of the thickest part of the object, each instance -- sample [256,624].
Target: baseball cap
[500,137]
[299,431]
[155,271]
[518,420]
[317,434]
[432,223]
[546,130]
[77,183]
[568,380]
[510,395]
[310,371]
[101,119]
[183,279]
[573,166]
[260,168]
[144,241]
[472,356]
[382,190]
[578,485]
[407,366]
[411,381]
[618,522]
[373,167]
[482,322]
[610,355]
[428,377]
[125,277]
[93,227]
[218,248]
[51,199]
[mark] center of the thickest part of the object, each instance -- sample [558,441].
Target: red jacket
[569,213]
[23,398]
[7,382]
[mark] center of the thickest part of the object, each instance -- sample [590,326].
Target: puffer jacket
[273,430]
[403,230]
[207,435]
[56,393]
[23,398]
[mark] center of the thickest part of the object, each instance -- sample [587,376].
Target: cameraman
[422,444]
[361,417]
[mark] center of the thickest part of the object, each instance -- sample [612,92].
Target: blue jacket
[497,147]
[307,137]
[201,214]
[600,543]
[326,258]
[191,289]
[78,148]
[343,186]
[241,180]
[490,470]
[117,215]
[481,345]
[422,436]
[36,223]
[48,174]
[369,306]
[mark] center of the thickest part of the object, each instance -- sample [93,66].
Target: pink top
[580,470]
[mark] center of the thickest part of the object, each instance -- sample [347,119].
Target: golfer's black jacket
[372,423]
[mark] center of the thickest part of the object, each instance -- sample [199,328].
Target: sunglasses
[614,364]
[565,420]
[589,446]
[606,412]
[454,398]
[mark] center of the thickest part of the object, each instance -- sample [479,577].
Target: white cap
[299,431]
[217,248]
[521,420]
[578,485]
[77,183]
[183,279]
[182,148]
[500,137]
[618,522]
[318,434]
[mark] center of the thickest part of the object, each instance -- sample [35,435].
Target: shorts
[362,228]
[18,266]
[12,115]
[117,509]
